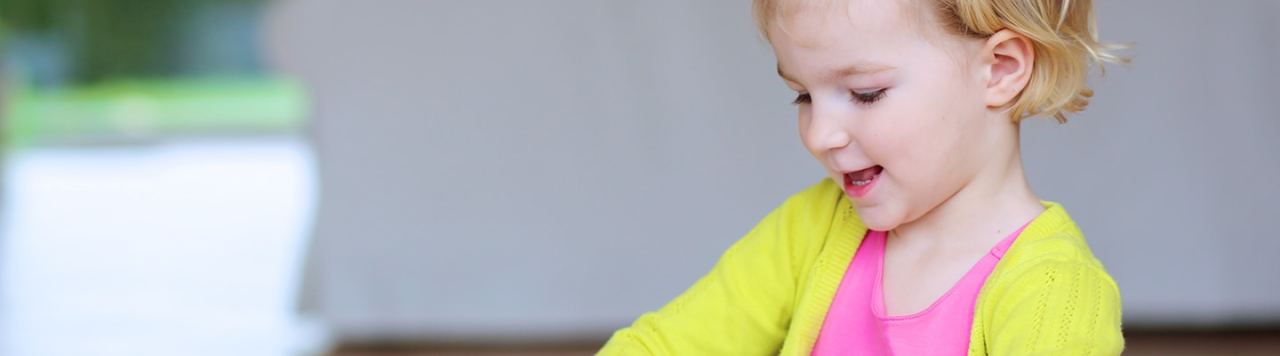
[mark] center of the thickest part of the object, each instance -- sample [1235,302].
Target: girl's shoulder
[1051,236]
[1048,295]
[1052,255]
[815,210]
[813,215]
[807,224]
[823,197]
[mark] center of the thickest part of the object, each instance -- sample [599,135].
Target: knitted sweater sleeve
[743,306]
[1057,306]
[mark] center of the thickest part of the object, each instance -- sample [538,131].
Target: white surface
[189,248]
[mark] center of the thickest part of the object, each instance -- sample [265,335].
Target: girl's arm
[744,305]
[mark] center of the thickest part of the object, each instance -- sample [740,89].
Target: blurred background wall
[530,170]
[518,170]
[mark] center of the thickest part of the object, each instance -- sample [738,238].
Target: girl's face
[891,107]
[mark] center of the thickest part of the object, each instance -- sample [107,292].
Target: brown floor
[1163,343]
[1178,343]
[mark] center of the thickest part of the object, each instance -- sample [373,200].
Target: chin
[879,218]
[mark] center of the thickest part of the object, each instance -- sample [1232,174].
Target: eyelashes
[869,97]
[803,98]
[865,98]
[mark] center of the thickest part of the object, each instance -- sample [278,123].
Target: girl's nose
[827,129]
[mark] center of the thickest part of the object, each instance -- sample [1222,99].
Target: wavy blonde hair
[1063,34]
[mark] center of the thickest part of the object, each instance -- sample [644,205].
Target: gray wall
[551,169]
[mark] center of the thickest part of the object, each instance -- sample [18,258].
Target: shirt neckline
[878,309]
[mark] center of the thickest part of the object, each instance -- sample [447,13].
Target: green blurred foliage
[136,70]
[109,38]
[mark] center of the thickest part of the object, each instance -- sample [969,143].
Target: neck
[995,203]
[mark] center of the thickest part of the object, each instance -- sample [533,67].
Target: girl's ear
[1008,58]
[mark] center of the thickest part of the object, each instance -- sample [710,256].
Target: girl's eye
[860,97]
[868,97]
[803,98]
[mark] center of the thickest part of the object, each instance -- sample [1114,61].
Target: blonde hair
[1063,34]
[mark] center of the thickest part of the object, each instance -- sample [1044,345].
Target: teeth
[861,182]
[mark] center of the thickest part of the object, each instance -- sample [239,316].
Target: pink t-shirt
[856,323]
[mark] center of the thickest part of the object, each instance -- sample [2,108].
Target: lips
[858,183]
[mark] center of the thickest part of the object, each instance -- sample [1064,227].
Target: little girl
[927,239]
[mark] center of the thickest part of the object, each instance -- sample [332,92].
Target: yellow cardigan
[769,292]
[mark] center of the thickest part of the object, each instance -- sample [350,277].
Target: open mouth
[859,183]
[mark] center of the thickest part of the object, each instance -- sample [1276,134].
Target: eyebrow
[866,68]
